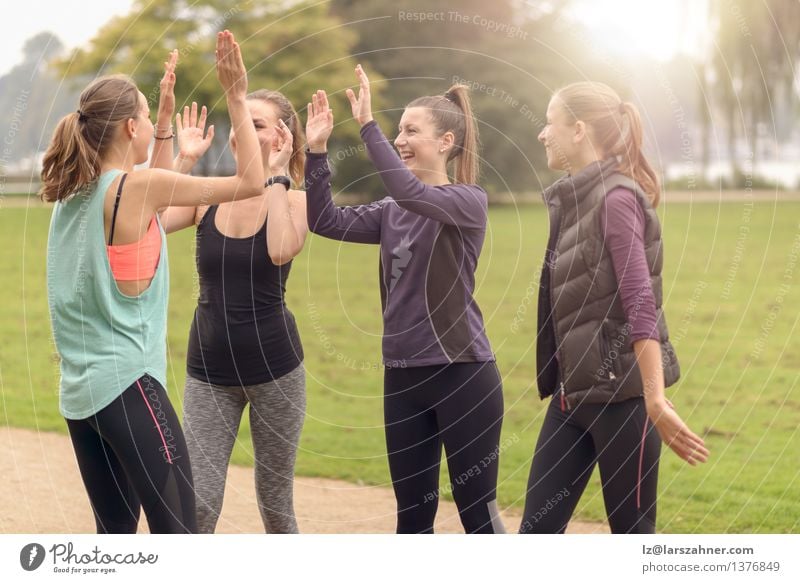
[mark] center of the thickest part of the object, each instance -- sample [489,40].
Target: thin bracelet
[165,138]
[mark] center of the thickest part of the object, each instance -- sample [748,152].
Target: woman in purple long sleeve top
[603,348]
[441,384]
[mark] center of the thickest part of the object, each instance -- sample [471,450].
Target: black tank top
[242,332]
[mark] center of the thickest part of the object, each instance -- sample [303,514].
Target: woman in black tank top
[244,347]
[242,333]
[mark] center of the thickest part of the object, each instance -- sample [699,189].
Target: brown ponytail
[453,112]
[287,112]
[81,138]
[616,126]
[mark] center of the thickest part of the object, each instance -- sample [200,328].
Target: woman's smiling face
[418,142]
[558,136]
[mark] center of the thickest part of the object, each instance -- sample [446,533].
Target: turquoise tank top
[105,339]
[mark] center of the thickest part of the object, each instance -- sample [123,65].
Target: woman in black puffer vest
[603,349]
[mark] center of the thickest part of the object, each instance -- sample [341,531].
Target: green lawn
[731,302]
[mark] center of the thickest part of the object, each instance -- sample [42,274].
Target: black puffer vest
[583,347]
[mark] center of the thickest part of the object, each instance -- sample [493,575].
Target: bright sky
[73,21]
[656,28]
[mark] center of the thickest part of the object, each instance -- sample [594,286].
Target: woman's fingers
[351,97]
[362,76]
[677,435]
[280,132]
[210,133]
[203,116]
[692,446]
[193,118]
[172,61]
[237,56]
[324,98]
[364,82]
[178,122]
[288,137]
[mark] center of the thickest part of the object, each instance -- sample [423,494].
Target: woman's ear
[580,132]
[446,141]
[130,128]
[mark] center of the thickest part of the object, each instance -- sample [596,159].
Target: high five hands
[281,150]
[166,95]
[320,116]
[320,123]
[231,71]
[361,105]
[192,144]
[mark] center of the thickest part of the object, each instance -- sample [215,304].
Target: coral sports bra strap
[116,207]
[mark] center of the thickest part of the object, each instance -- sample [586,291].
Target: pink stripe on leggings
[641,461]
[153,415]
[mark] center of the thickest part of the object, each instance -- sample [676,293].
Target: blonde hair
[81,138]
[602,110]
[287,112]
[452,112]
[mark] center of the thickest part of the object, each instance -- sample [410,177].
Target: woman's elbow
[284,257]
[278,259]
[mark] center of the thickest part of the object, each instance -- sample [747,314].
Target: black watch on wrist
[285,180]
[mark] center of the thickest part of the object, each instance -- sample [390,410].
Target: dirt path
[42,492]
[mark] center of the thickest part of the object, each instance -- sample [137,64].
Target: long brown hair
[287,112]
[81,138]
[602,110]
[452,112]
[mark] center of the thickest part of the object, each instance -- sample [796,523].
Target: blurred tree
[756,44]
[33,100]
[514,55]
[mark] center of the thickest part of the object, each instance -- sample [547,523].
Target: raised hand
[282,149]
[231,72]
[320,122]
[361,105]
[166,95]
[192,144]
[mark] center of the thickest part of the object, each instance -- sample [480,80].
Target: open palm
[319,125]
[361,104]
[191,141]
[281,152]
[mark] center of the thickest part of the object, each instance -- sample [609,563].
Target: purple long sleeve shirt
[623,224]
[430,239]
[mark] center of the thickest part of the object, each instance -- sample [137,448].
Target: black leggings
[621,440]
[132,454]
[459,406]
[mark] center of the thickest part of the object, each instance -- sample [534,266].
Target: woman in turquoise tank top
[109,318]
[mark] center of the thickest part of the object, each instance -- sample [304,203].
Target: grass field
[731,297]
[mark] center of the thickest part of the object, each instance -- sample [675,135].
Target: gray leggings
[211,417]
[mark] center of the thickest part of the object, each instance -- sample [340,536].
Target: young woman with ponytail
[603,350]
[108,287]
[244,346]
[441,384]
